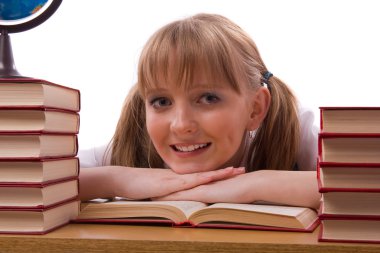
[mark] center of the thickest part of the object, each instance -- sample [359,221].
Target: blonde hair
[226,52]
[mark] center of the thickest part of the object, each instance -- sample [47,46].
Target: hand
[142,183]
[235,189]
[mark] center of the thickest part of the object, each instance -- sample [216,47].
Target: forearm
[96,183]
[297,188]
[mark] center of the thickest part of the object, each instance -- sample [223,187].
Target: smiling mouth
[190,148]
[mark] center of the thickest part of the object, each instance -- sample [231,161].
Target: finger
[221,174]
[188,181]
[201,178]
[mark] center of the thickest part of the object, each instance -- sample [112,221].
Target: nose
[183,121]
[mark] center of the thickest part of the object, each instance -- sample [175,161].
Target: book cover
[200,215]
[37,145]
[38,220]
[39,171]
[38,92]
[38,119]
[350,119]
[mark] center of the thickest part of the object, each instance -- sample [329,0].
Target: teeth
[190,148]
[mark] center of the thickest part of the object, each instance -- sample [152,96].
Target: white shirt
[306,158]
[308,151]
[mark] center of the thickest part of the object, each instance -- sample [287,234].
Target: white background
[327,51]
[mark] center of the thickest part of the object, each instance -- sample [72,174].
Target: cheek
[227,128]
[155,126]
[231,129]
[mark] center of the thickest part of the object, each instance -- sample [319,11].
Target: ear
[259,105]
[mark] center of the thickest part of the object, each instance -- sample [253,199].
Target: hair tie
[266,77]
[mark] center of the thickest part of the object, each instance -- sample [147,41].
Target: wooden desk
[122,238]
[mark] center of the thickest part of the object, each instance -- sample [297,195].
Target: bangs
[181,49]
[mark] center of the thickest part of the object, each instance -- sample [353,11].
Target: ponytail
[276,141]
[131,145]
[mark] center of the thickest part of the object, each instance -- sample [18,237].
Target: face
[199,129]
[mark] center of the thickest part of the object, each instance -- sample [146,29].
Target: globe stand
[7,65]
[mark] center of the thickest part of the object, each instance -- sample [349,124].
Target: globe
[19,9]
[19,16]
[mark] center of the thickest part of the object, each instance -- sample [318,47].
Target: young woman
[207,121]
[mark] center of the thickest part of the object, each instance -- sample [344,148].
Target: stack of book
[349,174]
[39,124]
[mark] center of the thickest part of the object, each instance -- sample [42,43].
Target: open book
[197,214]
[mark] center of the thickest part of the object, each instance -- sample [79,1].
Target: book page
[176,211]
[351,121]
[350,177]
[353,230]
[187,207]
[270,209]
[266,215]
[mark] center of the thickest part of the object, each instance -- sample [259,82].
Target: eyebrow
[199,86]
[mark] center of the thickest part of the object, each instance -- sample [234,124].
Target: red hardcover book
[38,120]
[38,196]
[350,119]
[43,171]
[350,205]
[37,220]
[200,215]
[349,148]
[30,92]
[348,177]
[349,174]
[37,145]
[358,230]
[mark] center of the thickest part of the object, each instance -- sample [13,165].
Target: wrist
[114,184]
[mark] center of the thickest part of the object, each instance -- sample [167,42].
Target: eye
[209,98]
[160,102]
